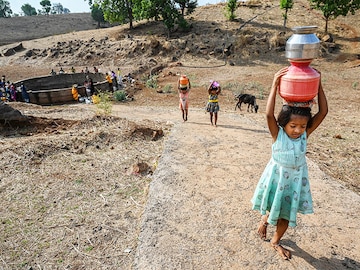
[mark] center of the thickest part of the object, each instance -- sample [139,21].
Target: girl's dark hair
[286,112]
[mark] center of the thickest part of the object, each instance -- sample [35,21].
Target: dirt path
[198,215]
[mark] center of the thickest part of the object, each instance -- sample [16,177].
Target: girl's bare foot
[283,252]
[263,227]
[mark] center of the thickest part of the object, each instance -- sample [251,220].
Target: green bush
[120,95]
[152,82]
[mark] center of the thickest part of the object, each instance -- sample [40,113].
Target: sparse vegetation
[167,88]
[230,9]
[104,106]
[332,9]
[120,95]
[152,82]
[286,5]
[355,85]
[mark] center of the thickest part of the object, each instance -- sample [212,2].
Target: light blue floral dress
[283,189]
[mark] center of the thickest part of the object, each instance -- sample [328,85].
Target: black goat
[247,99]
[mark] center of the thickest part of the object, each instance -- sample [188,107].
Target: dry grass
[74,198]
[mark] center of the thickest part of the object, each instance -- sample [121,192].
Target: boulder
[9,115]
[13,50]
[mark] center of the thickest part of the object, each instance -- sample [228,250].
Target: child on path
[184,87]
[213,107]
[283,189]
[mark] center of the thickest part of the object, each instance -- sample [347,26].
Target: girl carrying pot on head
[213,107]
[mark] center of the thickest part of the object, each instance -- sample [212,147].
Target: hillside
[18,29]
[75,185]
[255,36]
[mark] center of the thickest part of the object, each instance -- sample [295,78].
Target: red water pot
[300,83]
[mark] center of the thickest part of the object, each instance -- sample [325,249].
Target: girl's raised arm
[320,115]
[270,106]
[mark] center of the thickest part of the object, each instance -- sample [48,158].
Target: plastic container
[215,84]
[300,83]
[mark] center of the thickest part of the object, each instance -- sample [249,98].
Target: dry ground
[74,190]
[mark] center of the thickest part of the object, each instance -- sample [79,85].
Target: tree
[167,11]
[189,5]
[5,10]
[97,14]
[170,15]
[332,9]
[126,11]
[46,5]
[57,8]
[149,9]
[286,4]
[28,10]
[231,6]
[119,11]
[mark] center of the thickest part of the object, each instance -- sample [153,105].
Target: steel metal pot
[303,44]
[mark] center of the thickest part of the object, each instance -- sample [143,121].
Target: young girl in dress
[283,189]
[213,107]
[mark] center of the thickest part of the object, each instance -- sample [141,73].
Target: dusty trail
[199,216]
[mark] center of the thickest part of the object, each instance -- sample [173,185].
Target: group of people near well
[73,70]
[9,92]
[116,80]
[90,91]
[283,189]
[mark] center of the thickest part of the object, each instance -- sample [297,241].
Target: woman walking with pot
[184,87]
